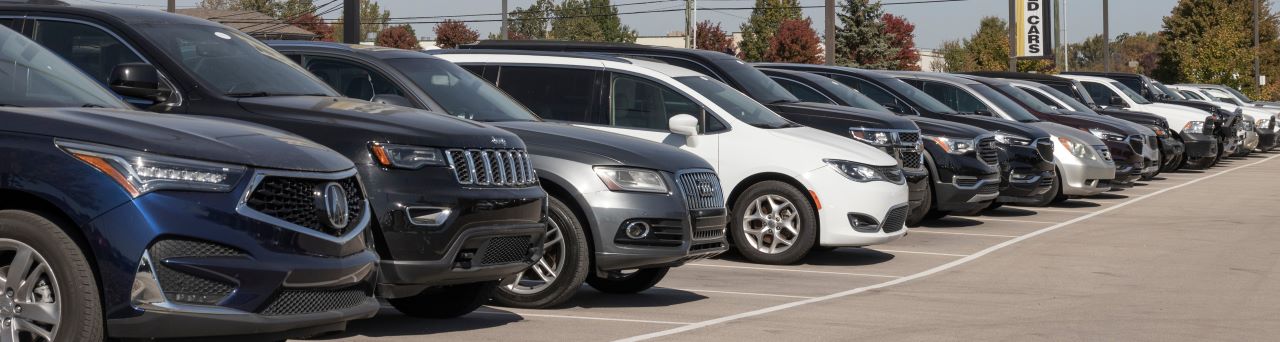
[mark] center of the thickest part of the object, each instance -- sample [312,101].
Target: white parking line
[517,313]
[1056,210]
[925,253]
[984,218]
[792,270]
[733,292]
[928,272]
[930,231]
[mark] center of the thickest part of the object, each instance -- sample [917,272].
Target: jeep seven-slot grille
[701,190]
[294,200]
[1045,148]
[492,168]
[895,219]
[987,151]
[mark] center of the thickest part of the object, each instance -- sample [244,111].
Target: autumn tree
[451,33]
[400,37]
[590,20]
[902,37]
[955,58]
[765,18]
[531,23]
[988,50]
[712,37]
[795,42]
[860,37]
[372,19]
[315,24]
[1142,47]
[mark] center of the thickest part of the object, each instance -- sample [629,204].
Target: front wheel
[1054,195]
[46,280]
[446,301]
[773,223]
[626,283]
[565,263]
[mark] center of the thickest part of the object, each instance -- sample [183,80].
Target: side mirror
[683,124]
[139,80]
[392,99]
[1116,101]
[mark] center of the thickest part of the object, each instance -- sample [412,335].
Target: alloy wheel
[29,307]
[545,271]
[771,224]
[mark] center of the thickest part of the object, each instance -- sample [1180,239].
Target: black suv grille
[895,219]
[294,200]
[911,159]
[701,190]
[306,301]
[185,288]
[908,137]
[505,250]
[1045,148]
[1135,142]
[987,151]
[492,168]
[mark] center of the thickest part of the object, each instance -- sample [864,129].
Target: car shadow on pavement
[1007,211]
[1073,204]
[847,256]
[1108,196]
[390,322]
[951,222]
[588,297]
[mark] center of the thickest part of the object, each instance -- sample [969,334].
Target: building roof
[255,24]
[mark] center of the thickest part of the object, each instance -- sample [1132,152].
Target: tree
[215,4]
[450,34]
[1141,47]
[372,19]
[590,20]
[291,9]
[860,38]
[533,22]
[902,38]
[763,23]
[795,42]
[955,58]
[988,50]
[315,24]
[400,37]
[712,37]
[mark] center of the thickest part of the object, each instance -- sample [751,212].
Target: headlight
[1196,127]
[1012,139]
[1159,130]
[874,137]
[140,172]
[1106,135]
[1263,122]
[628,179]
[406,157]
[1078,150]
[953,145]
[860,172]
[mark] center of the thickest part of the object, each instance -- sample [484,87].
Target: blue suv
[128,224]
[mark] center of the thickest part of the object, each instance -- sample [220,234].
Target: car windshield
[460,92]
[736,103]
[1239,95]
[1071,102]
[1220,96]
[1163,89]
[1015,111]
[755,83]
[232,63]
[1025,99]
[853,97]
[1133,95]
[918,97]
[31,76]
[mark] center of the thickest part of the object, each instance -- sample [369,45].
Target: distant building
[931,60]
[255,24]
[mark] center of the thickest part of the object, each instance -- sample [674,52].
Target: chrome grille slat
[492,168]
[499,158]
[697,199]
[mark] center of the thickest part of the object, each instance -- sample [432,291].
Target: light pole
[830,50]
[351,21]
[1257,72]
[506,26]
[1106,35]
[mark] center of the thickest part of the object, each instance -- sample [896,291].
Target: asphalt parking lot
[1191,255]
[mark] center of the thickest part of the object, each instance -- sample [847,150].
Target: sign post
[1033,29]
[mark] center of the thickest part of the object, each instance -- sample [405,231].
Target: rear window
[563,94]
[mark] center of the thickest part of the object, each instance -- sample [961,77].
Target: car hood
[338,118]
[1141,118]
[595,147]
[204,138]
[995,124]
[856,117]
[1140,128]
[937,127]
[1178,116]
[1086,121]
[829,145]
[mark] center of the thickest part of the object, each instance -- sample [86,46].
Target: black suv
[449,225]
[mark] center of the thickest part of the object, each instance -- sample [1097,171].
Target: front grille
[1135,142]
[988,152]
[505,250]
[492,168]
[908,137]
[895,219]
[1045,148]
[186,288]
[294,200]
[911,159]
[701,190]
[1104,183]
[306,301]
[908,149]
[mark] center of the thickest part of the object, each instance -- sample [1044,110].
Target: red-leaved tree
[902,37]
[712,37]
[315,24]
[795,42]
[400,37]
[451,33]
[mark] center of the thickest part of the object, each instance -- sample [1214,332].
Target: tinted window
[460,92]
[954,97]
[1192,95]
[1063,97]
[1132,83]
[736,103]
[1024,98]
[1004,103]
[563,94]
[754,83]
[882,97]
[688,64]
[1133,95]
[1042,97]
[89,48]
[7,23]
[231,62]
[852,97]
[1239,95]
[1165,90]
[1100,93]
[639,103]
[801,91]
[351,79]
[31,76]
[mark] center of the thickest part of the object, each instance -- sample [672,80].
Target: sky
[935,22]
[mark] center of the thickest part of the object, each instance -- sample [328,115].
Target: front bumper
[961,182]
[884,202]
[1026,175]
[1200,149]
[1171,150]
[1084,177]
[688,235]
[1266,140]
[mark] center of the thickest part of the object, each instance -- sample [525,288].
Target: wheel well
[771,176]
[19,200]
[563,195]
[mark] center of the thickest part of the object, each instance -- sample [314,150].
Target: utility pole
[689,26]
[1106,35]
[173,7]
[1066,47]
[1013,39]
[1257,72]
[351,22]
[1057,27]
[506,25]
[830,40]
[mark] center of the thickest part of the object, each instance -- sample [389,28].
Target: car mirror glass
[138,80]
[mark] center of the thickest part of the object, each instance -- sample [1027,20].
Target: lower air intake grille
[1045,148]
[505,250]
[186,288]
[989,189]
[300,301]
[1046,181]
[895,219]
[708,234]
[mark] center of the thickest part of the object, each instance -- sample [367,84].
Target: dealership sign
[1033,34]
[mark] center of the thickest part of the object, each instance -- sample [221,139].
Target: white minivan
[792,188]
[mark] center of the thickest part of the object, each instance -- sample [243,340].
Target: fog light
[428,216]
[146,290]
[864,223]
[637,230]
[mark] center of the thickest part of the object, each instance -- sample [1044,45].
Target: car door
[642,107]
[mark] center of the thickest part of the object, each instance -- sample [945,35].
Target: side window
[1135,84]
[92,50]
[635,102]
[563,94]
[1042,97]
[475,69]
[1100,93]
[351,79]
[8,23]
[801,91]
[296,58]
[687,64]
[881,96]
[954,97]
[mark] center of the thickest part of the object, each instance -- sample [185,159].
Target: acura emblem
[498,141]
[334,204]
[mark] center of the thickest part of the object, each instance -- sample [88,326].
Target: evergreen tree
[763,24]
[860,38]
[590,20]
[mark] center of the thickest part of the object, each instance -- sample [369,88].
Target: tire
[926,205]
[786,206]
[567,251]
[62,269]
[446,301]
[995,205]
[633,282]
[1052,195]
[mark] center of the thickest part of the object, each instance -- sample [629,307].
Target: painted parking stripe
[793,270]
[924,253]
[930,231]
[928,272]
[523,314]
[1056,210]
[733,292]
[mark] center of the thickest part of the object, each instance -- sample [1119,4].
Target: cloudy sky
[935,22]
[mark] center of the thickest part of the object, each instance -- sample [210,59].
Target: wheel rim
[29,307]
[771,224]
[545,271]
